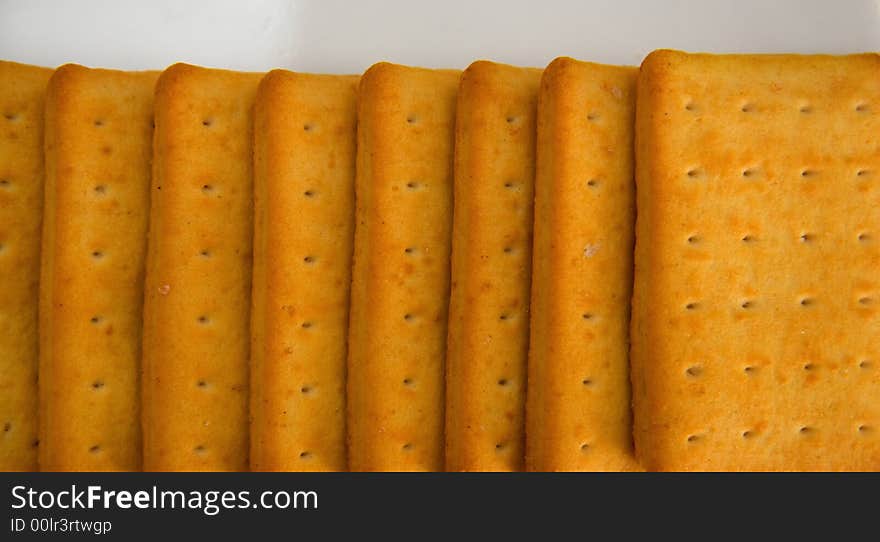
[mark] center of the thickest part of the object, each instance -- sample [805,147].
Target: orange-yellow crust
[198,288]
[755,316]
[304,160]
[578,409]
[491,262]
[98,147]
[400,278]
[22,93]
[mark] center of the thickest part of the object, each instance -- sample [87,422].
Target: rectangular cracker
[578,412]
[99,126]
[198,284]
[304,167]
[400,279]
[488,336]
[22,94]
[755,316]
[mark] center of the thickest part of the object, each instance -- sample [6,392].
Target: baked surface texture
[400,276]
[578,406]
[755,316]
[198,285]
[304,160]
[98,147]
[22,95]
[488,335]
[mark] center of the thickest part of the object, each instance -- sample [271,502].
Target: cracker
[755,316]
[22,93]
[98,148]
[578,414]
[304,162]
[488,334]
[400,279]
[198,283]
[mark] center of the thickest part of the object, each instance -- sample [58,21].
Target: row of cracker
[443,174]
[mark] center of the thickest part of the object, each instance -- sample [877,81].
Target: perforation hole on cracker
[10,116]
[4,183]
[97,384]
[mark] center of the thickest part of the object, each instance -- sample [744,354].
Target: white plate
[347,36]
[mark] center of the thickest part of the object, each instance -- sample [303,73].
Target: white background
[337,36]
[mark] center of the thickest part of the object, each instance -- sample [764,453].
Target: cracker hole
[200,449]
[749,172]
[207,122]
[411,119]
[747,434]
[864,237]
[309,193]
[309,259]
[10,116]
[585,447]
[413,185]
[692,305]
[308,127]
[592,117]
[587,316]
[99,122]
[746,304]
[693,173]
[97,254]
[864,428]
[407,446]
[805,109]
[693,438]
[693,239]
[809,367]
[862,107]
[808,173]
[865,301]
[307,325]
[500,446]
[747,108]
[694,371]
[202,384]
[408,382]
[690,106]
[592,183]
[749,370]
[508,250]
[511,119]
[107,149]
[305,454]
[7,427]
[4,183]
[805,429]
[503,382]
[409,317]
[305,390]
[207,188]
[205,253]
[807,237]
[587,382]
[203,319]
[504,316]
[97,384]
[95,449]
[95,319]
[100,189]
[508,185]
[409,250]
[806,301]
[862,173]
[747,238]
[864,364]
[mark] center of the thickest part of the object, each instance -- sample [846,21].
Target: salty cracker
[400,279]
[578,406]
[755,325]
[304,163]
[98,146]
[491,261]
[198,284]
[22,94]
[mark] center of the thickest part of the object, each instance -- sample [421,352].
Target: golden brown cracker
[304,167]
[197,296]
[98,150]
[578,411]
[400,278]
[22,94]
[755,316]
[488,333]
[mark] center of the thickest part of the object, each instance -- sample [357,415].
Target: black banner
[244,506]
